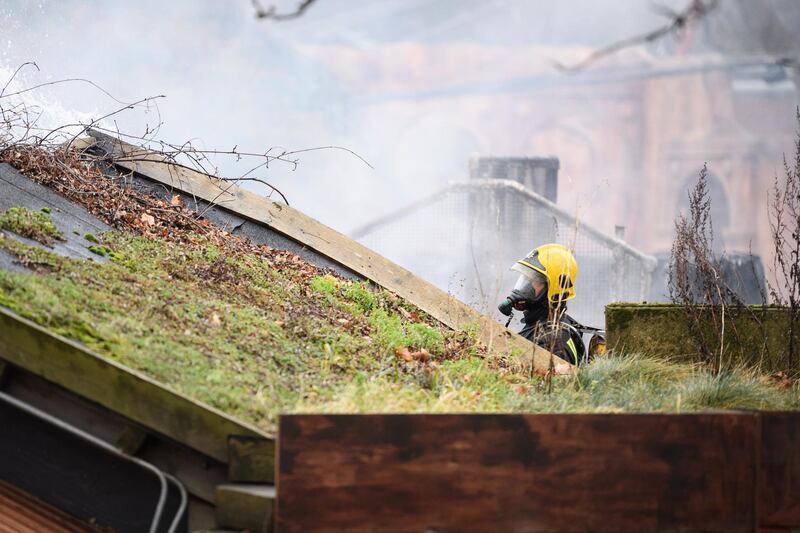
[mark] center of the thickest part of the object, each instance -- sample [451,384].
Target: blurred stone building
[631,134]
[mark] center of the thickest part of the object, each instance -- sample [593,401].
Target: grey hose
[182,507]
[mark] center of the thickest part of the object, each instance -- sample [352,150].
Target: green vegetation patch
[248,335]
[36,225]
[615,384]
[233,331]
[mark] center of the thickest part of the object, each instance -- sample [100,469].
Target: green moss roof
[255,331]
[36,225]
[232,330]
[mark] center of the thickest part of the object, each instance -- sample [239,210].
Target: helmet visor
[528,272]
[531,285]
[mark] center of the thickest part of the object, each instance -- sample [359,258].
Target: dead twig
[784,220]
[20,134]
[696,282]
[696,10]
[272,13]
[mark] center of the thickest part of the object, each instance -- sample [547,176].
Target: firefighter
[546,281]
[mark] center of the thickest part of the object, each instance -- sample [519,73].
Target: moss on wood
[254,332]
[757,335]
[116,387]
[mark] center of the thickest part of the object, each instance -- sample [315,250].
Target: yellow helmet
[557,264]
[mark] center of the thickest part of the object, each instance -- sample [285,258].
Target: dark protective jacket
[562,339]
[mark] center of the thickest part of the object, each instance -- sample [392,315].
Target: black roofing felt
[72,220]
[257,233]
[18,191]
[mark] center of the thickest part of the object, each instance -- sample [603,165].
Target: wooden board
[469,473]
[4,370]
[779,498]
[251,460]
[246,507]
[118,388]
[326,241]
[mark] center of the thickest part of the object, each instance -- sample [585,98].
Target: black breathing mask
[522,293]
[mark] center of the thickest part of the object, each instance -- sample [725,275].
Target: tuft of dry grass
[614,384]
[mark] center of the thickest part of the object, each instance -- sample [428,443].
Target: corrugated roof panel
[22,513]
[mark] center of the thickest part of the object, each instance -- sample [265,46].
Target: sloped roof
[323,240]
[71,365]
[122,377]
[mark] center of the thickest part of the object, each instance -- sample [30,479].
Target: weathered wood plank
[4,371]
[247,507]
[418,473]
[131,440]
[75,410]
[200,476]
[328,242]
[118,388]
[779,487]
[251,459]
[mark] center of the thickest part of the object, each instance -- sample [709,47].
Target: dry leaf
[522,390]
[215,320]
[780,380]
[148,219]
[422,356]
[176,200]
[404,354]
[562,369]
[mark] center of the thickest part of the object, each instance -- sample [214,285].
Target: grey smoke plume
[414,87]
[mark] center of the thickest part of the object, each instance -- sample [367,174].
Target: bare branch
[696,280]
[58,82]
[271,12]
[20,134]
[784,221]
[696,10]
[32,63]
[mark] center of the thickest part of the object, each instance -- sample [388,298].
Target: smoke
[231,80]
[414,87]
